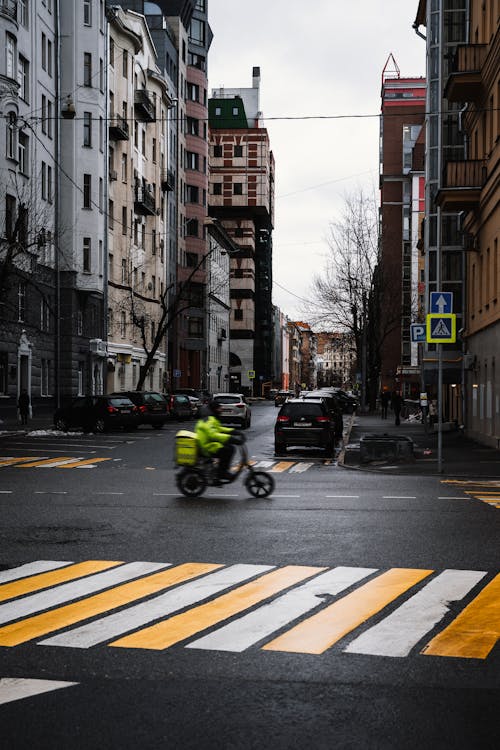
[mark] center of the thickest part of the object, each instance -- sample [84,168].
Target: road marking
[73,590]
[44,580]
[5,492]
[475,631]
[29,569]
[10,461]
[48,463]
[47,622]
[399,497]
[281,466]
[285,496]
[178,628]
[320,631]
[299,468]
[15,688]
[161,606]
[263,464]
[344,497]
[251,628]
[87,463]
[398,633]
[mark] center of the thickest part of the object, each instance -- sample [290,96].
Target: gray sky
[324,57]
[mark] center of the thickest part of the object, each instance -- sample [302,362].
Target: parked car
[196,405]
[179,406]
[282,396]
[97,413]
[234,408]
[349,403]
[304,422]
[203,395]
[152,407]
[334,408]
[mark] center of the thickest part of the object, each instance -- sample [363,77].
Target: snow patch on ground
[52,433]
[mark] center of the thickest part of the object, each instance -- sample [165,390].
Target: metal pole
[440,408]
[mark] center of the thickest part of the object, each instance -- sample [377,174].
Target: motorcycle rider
[215,439]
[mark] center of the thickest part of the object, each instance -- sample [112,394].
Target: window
[101,75]
[238,151]
[124,271]
[192,228]
[123,324]
[101,134]
[236,111]
[44,114]
[81,372]
[11,133]
[4,369]
[125,64]
[192,160]
[87,246]
[217,188]
[191,260]
[193,126]
[87,12]
[124,219]
[192,194]
[23,155]
[49,184]
[50,118]
[193,92]
[87,69]
[21,301]
[217,151]
[22,12]
[44,180]
[101,195]
[49,57]
[10,60]
[238,188]
[87,190]
[23,78]
[124,167]
[112,52]
[44,315]
[197,31]
[87,129]
[111,217]
[195,327]
[238,314]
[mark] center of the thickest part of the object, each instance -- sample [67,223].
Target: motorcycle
[199,471]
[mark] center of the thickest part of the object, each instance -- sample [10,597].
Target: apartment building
[336,359]
[242,197]
[401,194]
[471,187]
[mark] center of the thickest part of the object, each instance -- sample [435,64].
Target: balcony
[144,202]
[464,83]
[144,105]
[118,128]
[462,185]
[167,180]
[9,8]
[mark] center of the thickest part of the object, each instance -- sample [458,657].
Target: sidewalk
[10,424]
[461,457]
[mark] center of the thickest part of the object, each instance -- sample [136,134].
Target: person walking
[385,397]
[396,403]
[23,404]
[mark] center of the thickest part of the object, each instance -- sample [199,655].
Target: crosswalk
[207,606]
[46,462]
[488,491]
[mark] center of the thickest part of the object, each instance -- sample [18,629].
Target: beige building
[137,220]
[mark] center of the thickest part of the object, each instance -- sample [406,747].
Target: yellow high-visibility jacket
[211,434]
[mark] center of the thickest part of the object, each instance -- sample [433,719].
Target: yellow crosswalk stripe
[86,462]
[316,634]
[47,622]
[475,631]
[281,466]
[178,628]
[44,580]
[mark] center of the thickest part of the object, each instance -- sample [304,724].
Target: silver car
[234,408]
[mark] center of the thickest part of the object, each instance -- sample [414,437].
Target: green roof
[227,113]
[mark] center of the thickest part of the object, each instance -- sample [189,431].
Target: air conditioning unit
[113,175]
[98,347]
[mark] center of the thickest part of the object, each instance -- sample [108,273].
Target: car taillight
[240,406]
[283,420]
[142,408]
[322,419]
[112,409]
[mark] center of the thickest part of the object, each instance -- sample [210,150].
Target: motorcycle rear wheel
[191,483]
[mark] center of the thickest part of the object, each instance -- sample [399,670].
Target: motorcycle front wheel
[259,484]
[191,483]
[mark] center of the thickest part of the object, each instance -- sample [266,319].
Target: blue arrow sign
[441,302]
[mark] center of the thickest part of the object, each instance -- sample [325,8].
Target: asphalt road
[349,609]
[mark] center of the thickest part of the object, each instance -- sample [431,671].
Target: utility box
[383,447]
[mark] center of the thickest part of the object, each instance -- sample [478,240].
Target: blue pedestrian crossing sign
[441,328]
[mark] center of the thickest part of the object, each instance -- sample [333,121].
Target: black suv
[152,407]
[97,413]
[304,422]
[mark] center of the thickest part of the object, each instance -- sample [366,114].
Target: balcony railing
[462,185]
[144,202]
[118,128]
[144,105]
[167,180]
[464,83]
[9,8]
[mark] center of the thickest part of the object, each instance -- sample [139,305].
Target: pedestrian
[396,403]
[23,405]
[385,397]
[432,412]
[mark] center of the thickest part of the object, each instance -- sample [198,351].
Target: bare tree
[350,292]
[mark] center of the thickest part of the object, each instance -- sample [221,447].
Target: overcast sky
[324,57]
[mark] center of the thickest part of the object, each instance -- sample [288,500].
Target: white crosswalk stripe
[15,688]
[30,569]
